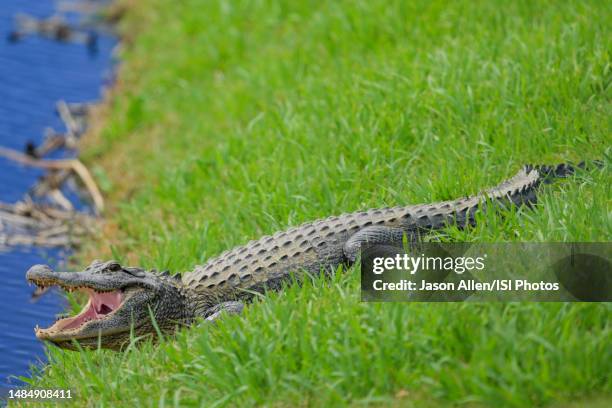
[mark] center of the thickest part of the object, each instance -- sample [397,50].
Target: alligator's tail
[522,189]
[549,173]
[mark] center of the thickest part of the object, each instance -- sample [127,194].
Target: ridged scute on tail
[548,174]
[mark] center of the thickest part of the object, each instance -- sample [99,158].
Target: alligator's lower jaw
[99,306]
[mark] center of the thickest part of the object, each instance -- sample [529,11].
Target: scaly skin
[263,264]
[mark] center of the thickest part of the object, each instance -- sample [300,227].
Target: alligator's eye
[94,264]
[113,266]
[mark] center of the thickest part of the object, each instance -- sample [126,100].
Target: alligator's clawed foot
[373,235]
[215,312]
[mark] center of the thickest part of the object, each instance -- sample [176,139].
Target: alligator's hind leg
[217,311]
[373,235]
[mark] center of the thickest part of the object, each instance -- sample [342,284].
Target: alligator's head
[122,302]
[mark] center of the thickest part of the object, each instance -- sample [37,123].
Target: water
[34,74]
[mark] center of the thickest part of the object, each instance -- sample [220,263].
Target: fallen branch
[71,164]
[75,127]
[53,140]
[29,223]
[53,180]
[34,240]
[55,28]
[82,7]
[59,197]
[34,214]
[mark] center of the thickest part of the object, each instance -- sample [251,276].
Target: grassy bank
[236,119]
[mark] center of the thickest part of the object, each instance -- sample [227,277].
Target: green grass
[237,119]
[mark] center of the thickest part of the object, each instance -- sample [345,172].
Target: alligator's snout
[41,275]
[38,270]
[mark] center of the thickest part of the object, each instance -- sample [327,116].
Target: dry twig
[28,223]
[70,164]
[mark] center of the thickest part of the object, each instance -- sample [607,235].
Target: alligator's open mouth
[100,306]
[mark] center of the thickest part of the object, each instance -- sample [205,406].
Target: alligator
[127,302]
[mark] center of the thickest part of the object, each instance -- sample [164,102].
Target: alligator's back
[309,247]
[269,259]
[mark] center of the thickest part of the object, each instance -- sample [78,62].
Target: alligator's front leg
[215,312]
[373,235]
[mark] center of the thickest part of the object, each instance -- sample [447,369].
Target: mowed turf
[234,119]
